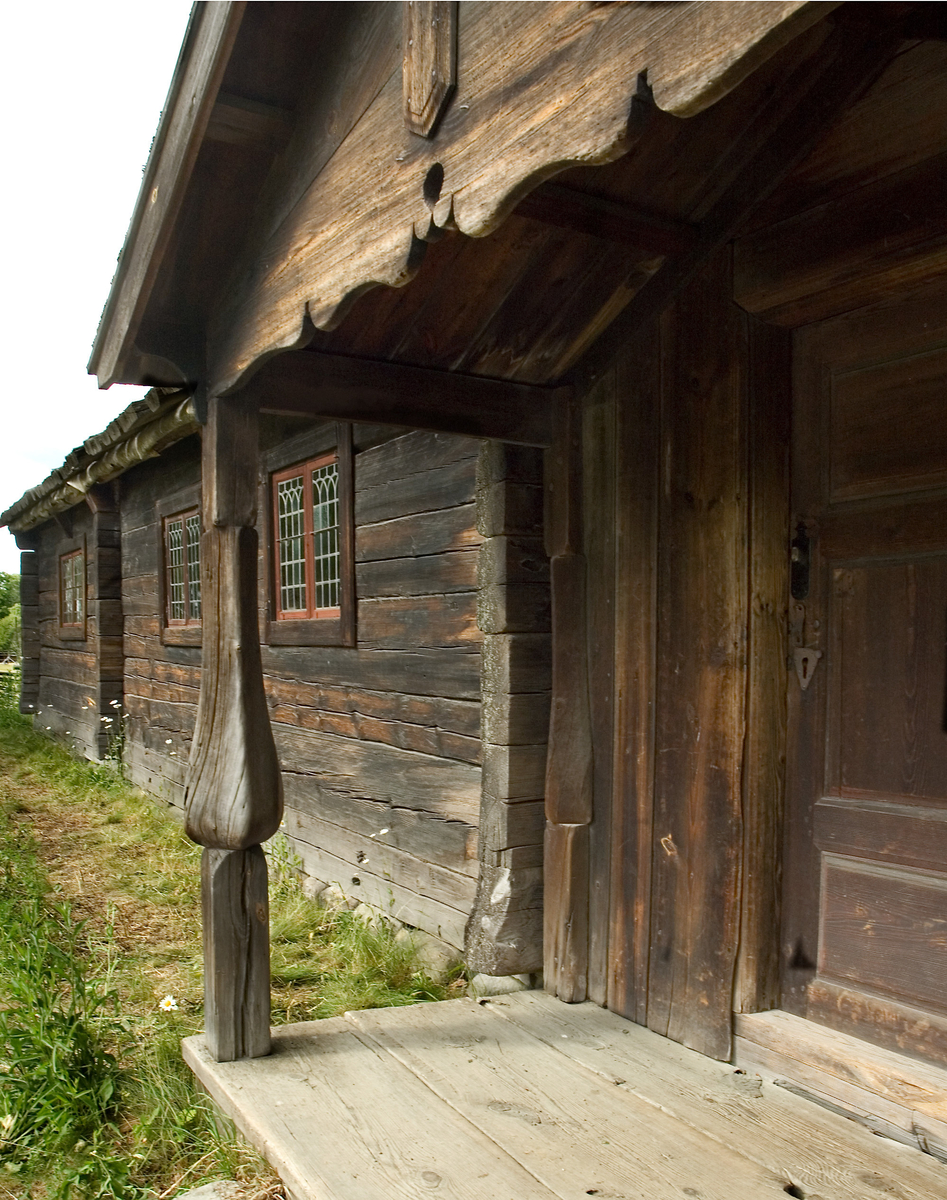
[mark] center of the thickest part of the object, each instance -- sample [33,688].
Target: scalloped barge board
[524,1098]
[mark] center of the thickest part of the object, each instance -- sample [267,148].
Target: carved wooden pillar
[234,791]
[569,761]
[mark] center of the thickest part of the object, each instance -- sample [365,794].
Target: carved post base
[236,953]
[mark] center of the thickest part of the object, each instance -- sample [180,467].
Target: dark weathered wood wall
[380,743]
[76,674]
[684,478]
[161,681]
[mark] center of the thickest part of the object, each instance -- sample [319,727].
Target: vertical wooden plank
[637,428]
[701,678]
[756,987]
[566,911]
[29,628]
[504,935]
[598,506]
[429,71]
[233,793]
[105,572]
[236,953]
[806,709]
[346,456]
[569,762]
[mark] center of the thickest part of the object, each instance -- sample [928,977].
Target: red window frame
[188,569]
[311,611]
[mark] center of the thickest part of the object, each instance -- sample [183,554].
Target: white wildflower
[6,1123]
[167,741]
[169,1004]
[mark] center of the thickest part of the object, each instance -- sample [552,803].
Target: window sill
[72,633]
[323,631]
[181,635]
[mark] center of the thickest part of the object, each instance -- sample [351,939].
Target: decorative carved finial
[429,72]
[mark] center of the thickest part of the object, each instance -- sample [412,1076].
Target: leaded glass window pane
[291,538]
[325,535]
[192,525]
[72,570]
[174,535]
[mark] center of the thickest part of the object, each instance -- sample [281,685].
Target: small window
[307,542]
[182,565]
[72,590]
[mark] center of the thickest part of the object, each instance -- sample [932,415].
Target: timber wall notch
[504,933]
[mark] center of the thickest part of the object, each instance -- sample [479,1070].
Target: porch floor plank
[526,1097]
[818,1151]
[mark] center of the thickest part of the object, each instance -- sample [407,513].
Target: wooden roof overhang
[279,192]
[141,431]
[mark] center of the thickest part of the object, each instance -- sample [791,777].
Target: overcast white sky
[82,87]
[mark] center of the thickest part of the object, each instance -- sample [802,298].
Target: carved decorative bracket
[429,70]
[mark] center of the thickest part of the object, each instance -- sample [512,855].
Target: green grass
[99,899]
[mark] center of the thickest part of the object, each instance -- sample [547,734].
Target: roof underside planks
[302,212]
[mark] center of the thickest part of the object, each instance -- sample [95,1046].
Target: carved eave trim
[560,87]
[142,431]
[205,52]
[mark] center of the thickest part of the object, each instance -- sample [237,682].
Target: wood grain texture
[504,932]
[886,236]
[884,1020]
[638,407]
[584,60]
[537,1104]
[445,787]
[701,668]
[236,953]
[566,911]
[914,1086]
[599,470]
[234,793]
[361,1146]
[769,371]
[310,383]
[785,126]
[820,1152]
[429,68]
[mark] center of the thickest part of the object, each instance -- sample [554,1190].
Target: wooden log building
[616,647]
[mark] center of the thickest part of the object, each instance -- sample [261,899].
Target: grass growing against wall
[100,978]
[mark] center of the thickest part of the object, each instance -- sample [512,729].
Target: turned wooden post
[234,791]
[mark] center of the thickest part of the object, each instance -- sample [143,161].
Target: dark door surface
[865,879]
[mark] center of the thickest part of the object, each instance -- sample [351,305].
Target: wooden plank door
[865,905]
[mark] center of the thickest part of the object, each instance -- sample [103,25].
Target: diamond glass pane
[174,541]
[192,526]
[73,586]
[292,556]
[325,535]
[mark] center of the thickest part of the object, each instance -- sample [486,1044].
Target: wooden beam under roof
[312,383]
[779,136]
[242,122]
[611,220]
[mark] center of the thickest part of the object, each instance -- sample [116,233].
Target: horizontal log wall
[379,744]
[161,681]
[65,675]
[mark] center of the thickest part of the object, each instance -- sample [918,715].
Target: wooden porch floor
[525,1098]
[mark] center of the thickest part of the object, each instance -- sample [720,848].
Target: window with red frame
[72,590]
[306,524]
[182,568]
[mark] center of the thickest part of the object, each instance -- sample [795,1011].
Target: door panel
[887,680]
[865,926]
